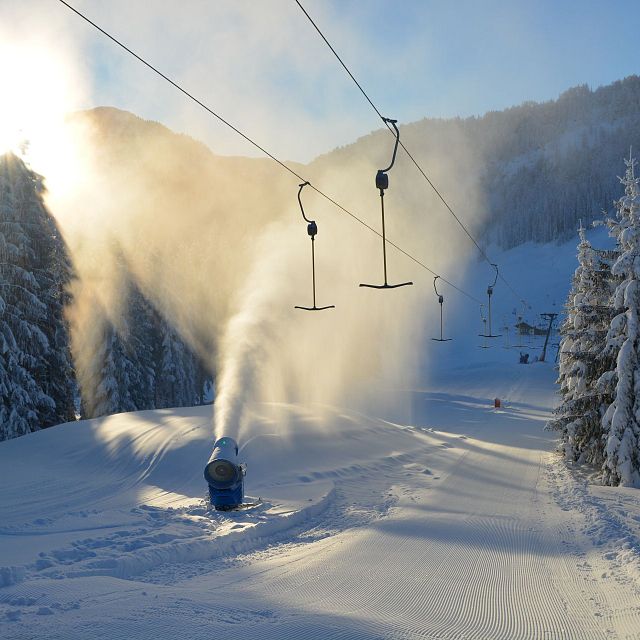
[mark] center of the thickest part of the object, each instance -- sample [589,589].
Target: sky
[262,66]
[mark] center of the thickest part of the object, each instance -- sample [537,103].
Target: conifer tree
[140,343]
[106,398]
[124,381]
[581,360]
[176,371]
[621,422]
[36,375]
[142,363]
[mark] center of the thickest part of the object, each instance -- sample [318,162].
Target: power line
[415,162]
[259,147]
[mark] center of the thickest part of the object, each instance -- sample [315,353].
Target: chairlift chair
[489,294]
[382,183]
[483,335]
[440,302]
[312,230]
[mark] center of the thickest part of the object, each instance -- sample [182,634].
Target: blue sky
[472,57]
[260,63]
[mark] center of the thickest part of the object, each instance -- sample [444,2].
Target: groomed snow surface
[461,522]
[463,526]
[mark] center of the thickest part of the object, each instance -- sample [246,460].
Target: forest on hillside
[550,165]
[528,173]
[140,362]
[537,169]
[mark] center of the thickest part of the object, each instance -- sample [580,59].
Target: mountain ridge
[536,168]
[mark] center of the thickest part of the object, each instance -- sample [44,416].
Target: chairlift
[382,183]
[484,344]
[489,294]
[440,302]
[312,230]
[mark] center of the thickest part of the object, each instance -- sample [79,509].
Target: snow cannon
[225,476]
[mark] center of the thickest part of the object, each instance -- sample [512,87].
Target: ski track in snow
[463,524]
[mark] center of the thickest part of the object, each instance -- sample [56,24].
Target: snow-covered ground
[461,522]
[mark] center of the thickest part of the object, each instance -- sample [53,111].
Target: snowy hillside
[459,522]
[539,273]
[538,167]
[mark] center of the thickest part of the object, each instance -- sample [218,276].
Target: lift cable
[262,149]
[415,162]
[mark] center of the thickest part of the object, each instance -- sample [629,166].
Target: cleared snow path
[461,525]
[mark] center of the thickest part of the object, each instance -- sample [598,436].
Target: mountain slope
[460,521]
[539,167]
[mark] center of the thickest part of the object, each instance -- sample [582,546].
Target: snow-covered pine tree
[36,376]
[621,422]
[142,363]
[59,381]
[141,342]
[581,359]
[176,370]
[124,376]
[106,398]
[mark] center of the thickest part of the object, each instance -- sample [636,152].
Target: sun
[12,118]
[16,101]
[41,86]
[36,95]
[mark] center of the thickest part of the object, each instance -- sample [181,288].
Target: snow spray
[229,272]
[360,355]
[250,339]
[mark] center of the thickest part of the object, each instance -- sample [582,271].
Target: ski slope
[460,522]
[463,524]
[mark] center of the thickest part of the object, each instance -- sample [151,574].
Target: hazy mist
[220,247]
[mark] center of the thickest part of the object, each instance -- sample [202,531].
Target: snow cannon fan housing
[225,476]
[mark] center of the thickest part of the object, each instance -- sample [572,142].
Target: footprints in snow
[27,606]
[156,527]
[101,555]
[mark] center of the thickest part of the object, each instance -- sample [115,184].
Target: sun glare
[40,87]
[35,94]
[31,95]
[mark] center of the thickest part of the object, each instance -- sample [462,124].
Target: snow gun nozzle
[225,475]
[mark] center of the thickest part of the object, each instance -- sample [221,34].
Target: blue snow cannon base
[225,476]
